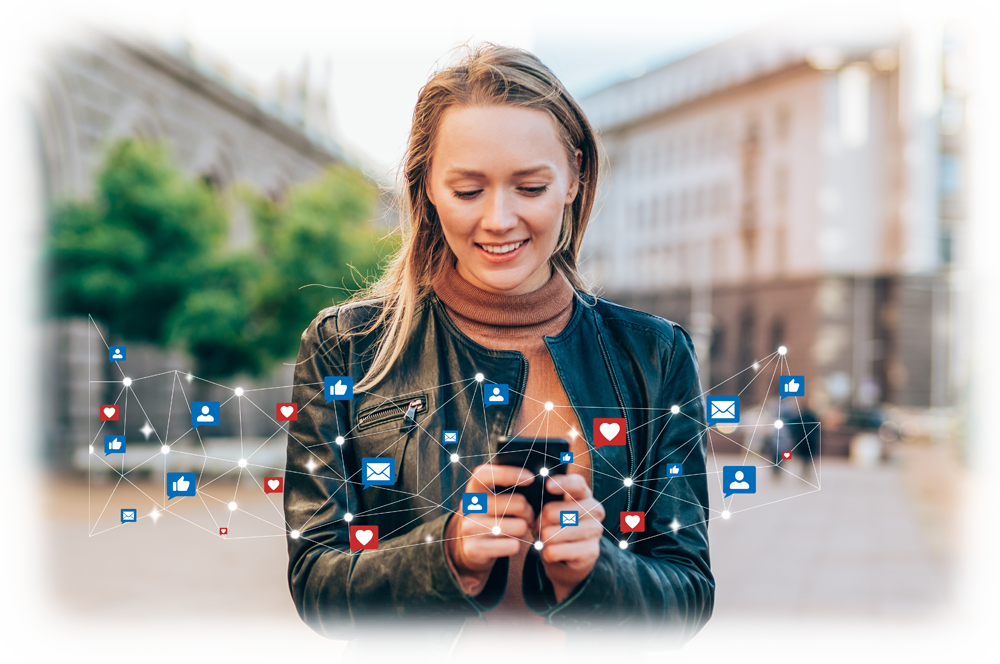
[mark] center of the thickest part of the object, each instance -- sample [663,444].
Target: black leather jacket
[612,361]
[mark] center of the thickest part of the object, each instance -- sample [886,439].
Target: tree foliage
[980,427]
[148,256]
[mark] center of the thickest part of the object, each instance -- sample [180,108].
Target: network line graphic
[191,465]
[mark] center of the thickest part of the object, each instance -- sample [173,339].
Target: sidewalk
[842,575]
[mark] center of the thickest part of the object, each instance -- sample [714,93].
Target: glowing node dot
[538,545]
[574,433]
[126,382]
[243,463]
[232,506]
[725,514]
[756,366]
[548,405]
[782,350]
[454,458]
[91,449]
[428,539]
[496,530]
[543,472]
[295,534]
[189,378]
[623,545]
[239,391]
[675,525]
[675,409]
[778,424]
[165,449]
[348,517]
[311,465]
[628,481]
[480,377]
[339,440]
[155,515]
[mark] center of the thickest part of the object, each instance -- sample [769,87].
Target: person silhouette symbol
[739,483]
[496,395]
[474,505]
[205,416]
[117,355]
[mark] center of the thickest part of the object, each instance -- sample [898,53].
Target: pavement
[860,550]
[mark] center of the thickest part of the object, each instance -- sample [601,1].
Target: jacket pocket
[389,410]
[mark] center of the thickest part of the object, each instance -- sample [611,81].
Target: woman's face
[499,180]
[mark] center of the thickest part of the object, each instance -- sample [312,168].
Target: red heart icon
[223,531]
[786,455]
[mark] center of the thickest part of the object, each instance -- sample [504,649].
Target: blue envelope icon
[378,471]
[450,437]
[569,519]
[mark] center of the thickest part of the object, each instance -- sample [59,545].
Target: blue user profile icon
[338,388]
[473,503]
[114,445]
[792,386]
[496,395]
[116,353]
[205,413]
[180,484]
[129,515]
[378,471]
[724,409]
[739,479]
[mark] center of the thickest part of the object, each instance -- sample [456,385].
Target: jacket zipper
[621,404]
[391,410]
[522,384]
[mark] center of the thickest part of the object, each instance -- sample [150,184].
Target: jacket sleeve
[661,588]
[335,590]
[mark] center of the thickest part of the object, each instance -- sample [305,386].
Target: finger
[489,476]
[572,486]
[482,524]
[480,550]
[589,509]
[572,553]
[585,531]
[508,504]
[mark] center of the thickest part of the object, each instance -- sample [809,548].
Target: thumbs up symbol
[181,484]
[116,444]
[791,386]
[339,389]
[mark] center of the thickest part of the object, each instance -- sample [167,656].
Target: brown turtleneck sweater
[520,322]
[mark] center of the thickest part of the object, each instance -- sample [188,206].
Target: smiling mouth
[500,249]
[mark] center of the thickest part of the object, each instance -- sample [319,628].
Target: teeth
[502,249]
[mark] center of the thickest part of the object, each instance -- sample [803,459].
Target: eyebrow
[465,172]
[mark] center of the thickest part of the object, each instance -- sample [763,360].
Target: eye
[535,191]
[466,195]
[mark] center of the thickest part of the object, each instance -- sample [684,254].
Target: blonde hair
[489,75]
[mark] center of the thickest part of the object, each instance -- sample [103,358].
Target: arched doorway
[25,412]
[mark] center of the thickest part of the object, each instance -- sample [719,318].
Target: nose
[499,215]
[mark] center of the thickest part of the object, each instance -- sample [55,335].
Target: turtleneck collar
[552,303]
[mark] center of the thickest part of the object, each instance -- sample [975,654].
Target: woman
[499,182]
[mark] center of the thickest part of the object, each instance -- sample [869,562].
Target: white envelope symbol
[723,410]
[451,436]
[377,471]
[569,519]
[128,516]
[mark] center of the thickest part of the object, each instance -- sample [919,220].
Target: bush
[980,430]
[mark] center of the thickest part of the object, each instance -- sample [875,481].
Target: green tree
[980,428]
[147,256]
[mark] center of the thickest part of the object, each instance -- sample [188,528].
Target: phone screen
[532,454]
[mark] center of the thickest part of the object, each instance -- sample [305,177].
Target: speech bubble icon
[338,388]
[739,479]
[496,395]
[609,431]
[378,471]
[180,484]
[114,445]
[792,386]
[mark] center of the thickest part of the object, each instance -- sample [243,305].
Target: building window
[783,123]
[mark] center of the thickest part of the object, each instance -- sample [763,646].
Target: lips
[501,249]
[502,253]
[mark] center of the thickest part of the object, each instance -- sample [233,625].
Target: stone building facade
[97,89]
[786,188]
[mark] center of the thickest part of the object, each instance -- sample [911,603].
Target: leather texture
[612,362]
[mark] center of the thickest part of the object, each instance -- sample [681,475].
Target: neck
[539,278]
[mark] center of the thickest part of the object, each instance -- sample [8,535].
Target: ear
[427,191]
[574,186]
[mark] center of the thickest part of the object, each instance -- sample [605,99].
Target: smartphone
[532,454]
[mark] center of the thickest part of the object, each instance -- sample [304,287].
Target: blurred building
[799,189]
[97,89]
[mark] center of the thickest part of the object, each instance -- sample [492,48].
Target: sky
[379,54]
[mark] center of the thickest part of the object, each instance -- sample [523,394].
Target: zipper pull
[410,420]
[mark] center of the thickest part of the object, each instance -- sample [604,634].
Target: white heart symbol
[632,520]
[363,536]
[273,484]
[109,412]
[286,411]
[610,429]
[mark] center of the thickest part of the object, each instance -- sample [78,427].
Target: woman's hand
[471,543]
[569,554]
